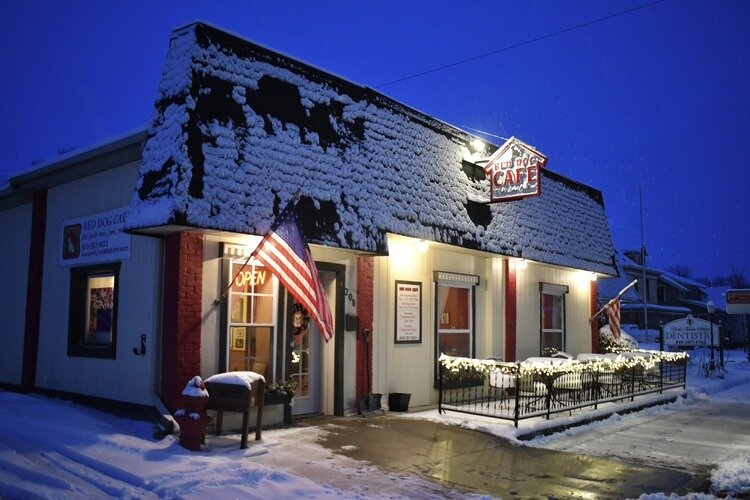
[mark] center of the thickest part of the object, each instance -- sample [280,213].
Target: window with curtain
[454,319]
[552,301]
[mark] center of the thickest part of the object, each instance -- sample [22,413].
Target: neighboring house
[668,295]
[120,254]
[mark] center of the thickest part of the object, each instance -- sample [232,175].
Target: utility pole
[644,288]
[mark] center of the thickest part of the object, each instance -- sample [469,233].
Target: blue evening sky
[658,97]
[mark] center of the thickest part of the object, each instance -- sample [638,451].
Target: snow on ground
[56,449]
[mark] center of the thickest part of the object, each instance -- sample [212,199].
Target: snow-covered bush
[608,343]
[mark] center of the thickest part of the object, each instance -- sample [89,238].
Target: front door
[304,348]
[315,366]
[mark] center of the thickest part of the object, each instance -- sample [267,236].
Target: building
[131,257]
[668,295]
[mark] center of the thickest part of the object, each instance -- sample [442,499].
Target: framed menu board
[408,312]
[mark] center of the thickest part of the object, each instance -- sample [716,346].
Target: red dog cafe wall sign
[513,171]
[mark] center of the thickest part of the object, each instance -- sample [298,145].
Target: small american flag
[612,310]
[284,251]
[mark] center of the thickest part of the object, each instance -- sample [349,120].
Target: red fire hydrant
[192,416]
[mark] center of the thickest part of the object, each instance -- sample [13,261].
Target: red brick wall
[510,310]
[365,302]
[181,335]
[594,307]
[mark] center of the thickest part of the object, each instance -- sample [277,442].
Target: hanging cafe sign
[514,171]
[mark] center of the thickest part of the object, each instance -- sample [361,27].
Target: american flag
[284,251]
[612,310]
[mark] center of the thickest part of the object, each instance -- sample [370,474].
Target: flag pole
[631,285]
[292,201]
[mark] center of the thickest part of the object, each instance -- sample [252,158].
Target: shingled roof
[239,128]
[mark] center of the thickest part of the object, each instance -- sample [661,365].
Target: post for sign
[711,308]
[661,335]
[721,347]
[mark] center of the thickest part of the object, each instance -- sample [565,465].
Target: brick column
[593,309]
[181,321]
[510,310]
[34,291]
[365,303]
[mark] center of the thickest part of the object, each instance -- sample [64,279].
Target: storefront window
[454,320]
[553,316]
[92,322]
[252,325]
[454,315]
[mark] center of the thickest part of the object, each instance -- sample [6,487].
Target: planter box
[278,398]
[461,383]
[398,401]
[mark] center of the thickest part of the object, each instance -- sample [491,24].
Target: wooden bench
[240,399]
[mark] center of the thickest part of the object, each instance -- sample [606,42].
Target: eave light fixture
[521,263]
[477,145]
[422,246]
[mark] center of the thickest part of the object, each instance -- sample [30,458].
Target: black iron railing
[515,391]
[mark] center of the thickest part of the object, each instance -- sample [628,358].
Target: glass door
[303,339]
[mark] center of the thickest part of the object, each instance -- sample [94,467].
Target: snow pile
[195,388]
[236,378]
[733,477]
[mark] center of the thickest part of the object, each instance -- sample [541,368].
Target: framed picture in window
[408,312]
[237,338]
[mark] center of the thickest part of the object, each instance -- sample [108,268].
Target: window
[552,314]
[92,321]
[454,318]
[252,325]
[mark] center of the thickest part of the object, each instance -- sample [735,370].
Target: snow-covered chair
[606,381]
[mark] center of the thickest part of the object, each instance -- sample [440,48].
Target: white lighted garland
[642,358]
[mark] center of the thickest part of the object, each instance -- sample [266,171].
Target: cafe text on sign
[514,171]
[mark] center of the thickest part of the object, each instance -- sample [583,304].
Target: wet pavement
[475,462]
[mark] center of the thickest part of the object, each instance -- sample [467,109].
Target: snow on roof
[683,280]
[610,287]
[675,280]
[655,307]
[238,129]
[670,281]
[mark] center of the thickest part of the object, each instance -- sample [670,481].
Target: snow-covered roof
[684,281]
[238,129]
[609,287]
[673,282]
[655,307]
[680,282]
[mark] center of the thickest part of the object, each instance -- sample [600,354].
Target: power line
[515,45]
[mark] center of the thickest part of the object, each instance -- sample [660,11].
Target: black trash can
[398,401]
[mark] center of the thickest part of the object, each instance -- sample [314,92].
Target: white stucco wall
[410,367]
[14,264]
[128,377]
[577,305]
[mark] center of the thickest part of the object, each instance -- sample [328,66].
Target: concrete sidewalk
[473,462]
